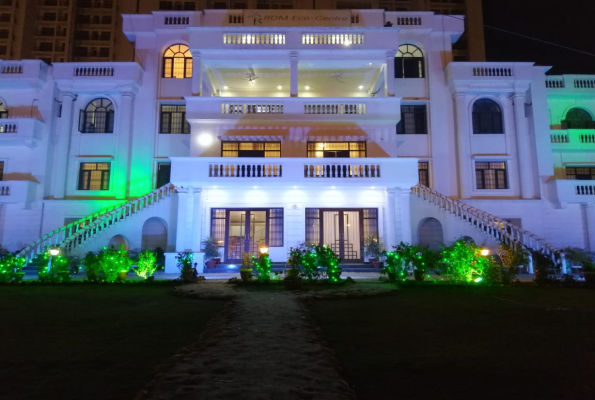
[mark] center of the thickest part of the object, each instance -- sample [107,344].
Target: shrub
[11,267]
[146,265]
[91,263]
[464,262]
[512,255]
[329,261]
[309,263]
[411,255]
[211,248]
[112,262]
[543,265]
[185,265]
[394,267]
[294,261]
[52,268]
[262,265]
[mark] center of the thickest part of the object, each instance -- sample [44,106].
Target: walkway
[262,347]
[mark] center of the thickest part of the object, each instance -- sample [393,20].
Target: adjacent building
[282,127]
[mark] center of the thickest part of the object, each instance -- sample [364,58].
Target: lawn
[91,341]
[443,342]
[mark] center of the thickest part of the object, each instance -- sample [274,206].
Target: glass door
[341,231]
[247,232]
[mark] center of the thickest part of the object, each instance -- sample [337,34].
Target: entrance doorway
[343,230]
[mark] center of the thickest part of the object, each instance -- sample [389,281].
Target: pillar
[389,74]
[184,219]
[121,170]
[196,73]
[590,224]
[405,197]
[62,152]
[524,161]
[391,222]
[196,219]
[293,73]
[463,145]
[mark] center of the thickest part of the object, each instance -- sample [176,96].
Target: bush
[112,262]
[91,263]
[146,265]
[512,255]
[52,268]
[11,267]
[262,265]
[394,267]
[464,262]
[187,272]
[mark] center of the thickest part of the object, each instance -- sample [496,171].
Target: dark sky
[566,22]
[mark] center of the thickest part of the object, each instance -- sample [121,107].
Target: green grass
[91,341]
[441,342]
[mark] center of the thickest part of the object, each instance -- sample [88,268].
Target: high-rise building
[91,30]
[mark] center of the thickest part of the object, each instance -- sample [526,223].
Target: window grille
[423,173]
[580,173]
[577,118]
[251,149]
[173,119]
[337,149]
[491,175]
[177,62]
[94,176]
[487,117]
[409,62]
[97,117]
[413,120]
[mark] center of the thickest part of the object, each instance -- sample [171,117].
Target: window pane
[276,227]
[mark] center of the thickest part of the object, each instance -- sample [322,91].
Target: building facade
[91,30]
[279,127]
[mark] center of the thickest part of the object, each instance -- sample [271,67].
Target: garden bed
[441,342]
[92,341]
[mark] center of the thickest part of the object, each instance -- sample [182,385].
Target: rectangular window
[46,46]
[94,176]
[251,149]
[276,227]
[423,173]
[4,33]
[491,175]
[173,119]
[413,120]
[336,149]
[218,225]
[580,173]
[2,49]
[96,121]
[1,170]
[163,174]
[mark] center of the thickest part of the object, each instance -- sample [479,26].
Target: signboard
[327,18]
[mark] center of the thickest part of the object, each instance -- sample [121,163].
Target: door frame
[342,230]
[246,227]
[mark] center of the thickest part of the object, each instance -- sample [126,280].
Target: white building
[279,127]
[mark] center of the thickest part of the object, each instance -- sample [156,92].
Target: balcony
[485,75]
[24,74]
[294,171]
[17,191]
[573,191]
[572,139]
[20,131]
[561,84]
[299,109]
[94,76]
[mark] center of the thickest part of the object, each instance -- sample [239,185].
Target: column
[391,222]
[405,197]
[196,73]
[590,224]
[293,73]
[121,169]
[463,145]
[197,219]
[184,215]
[62,144]
[524,160]
[389,74]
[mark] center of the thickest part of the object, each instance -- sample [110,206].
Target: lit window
[423,173]
[336,149]
[94,176]
[491,175]
[251,149]
[580,173]
[409,62]
[177,62]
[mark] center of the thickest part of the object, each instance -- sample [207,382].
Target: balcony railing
[253,38]
[570,82]
[334,108]
[574,191]
[253,108]
[22,74]
[355,172]
[120,71]
[570,138]
[502,72]
[20,131]
[17,191]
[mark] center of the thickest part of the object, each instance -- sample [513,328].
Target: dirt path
[262,347]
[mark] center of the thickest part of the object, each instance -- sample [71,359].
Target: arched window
[487,117]
[409,62]
[177,62]
[577,118]
[3,111]
[97,117]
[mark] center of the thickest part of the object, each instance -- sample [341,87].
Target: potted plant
[185,265]
[246,270]
[374,250]
[146,265]
[393,267]
[293,280]
[91,264]
[211,249]
[585,259]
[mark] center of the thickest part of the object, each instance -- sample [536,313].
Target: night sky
[566,22]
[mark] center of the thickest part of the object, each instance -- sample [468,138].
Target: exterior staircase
[491,226]
[72,237]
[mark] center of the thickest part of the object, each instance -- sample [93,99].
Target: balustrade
[254,108]
[341,171]
[8,128]
[4,190]
[588,190]
[253,38]
[334,108]
[12,69]
[584,83]
[94,71]
[245,170]
[177,20]
[492,71]
[408,21]
[345,39]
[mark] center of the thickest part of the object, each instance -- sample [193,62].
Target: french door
[247,232]
[343,230]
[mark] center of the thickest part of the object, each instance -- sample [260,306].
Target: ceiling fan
[251,76]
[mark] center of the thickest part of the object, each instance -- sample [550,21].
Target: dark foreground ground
[442,342]
[91,341]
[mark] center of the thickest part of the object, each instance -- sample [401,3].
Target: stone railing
[572,137]
[94,71]
[4,189]
[9,127]
[584,190]
[254,108]
[489,224]
[334,108]
[493,72]
[12,68]
[407,21]
[253,38]
[176,20]
[341,170]
[345,39]
[584,83]
[76,233]
[237,170]
[554,83]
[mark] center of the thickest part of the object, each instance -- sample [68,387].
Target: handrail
[78,232]
[490,224]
